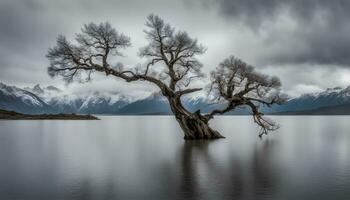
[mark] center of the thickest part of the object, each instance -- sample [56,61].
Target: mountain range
[50,99]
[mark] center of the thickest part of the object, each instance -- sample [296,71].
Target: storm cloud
[294,32]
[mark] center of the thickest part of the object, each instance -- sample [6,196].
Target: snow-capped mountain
[156,104]
[38,90]
[329,97]
[98,103]
[17,99]
[92,102]
[45,93]
[51,99]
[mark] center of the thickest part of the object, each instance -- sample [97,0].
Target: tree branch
[187,91]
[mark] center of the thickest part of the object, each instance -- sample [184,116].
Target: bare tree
[171,66]
[238,84]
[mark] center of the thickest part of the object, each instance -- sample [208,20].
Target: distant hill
[154,104]
[343,109]
[11,115]
[50,99]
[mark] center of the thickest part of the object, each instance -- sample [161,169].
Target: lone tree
[172,66]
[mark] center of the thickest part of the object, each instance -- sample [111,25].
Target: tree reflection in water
[202,177]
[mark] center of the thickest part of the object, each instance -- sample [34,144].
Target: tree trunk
[196,129]
[194,126]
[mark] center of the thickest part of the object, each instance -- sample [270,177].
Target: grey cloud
[270,33]
[319,33]
[321,45]
[306,78]
[29,27]
[255,12]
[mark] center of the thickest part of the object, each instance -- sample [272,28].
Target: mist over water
[145,157]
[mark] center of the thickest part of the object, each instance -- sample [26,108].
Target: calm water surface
[145,157]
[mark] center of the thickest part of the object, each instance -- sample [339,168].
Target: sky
[304,42]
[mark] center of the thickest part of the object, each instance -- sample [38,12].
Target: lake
[145,157]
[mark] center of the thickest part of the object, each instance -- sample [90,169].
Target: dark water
[146,158]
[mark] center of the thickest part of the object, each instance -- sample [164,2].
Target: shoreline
[12,115]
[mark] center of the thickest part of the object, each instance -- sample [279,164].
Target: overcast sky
[304,42]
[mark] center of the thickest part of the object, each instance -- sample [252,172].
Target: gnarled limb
[240,85]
